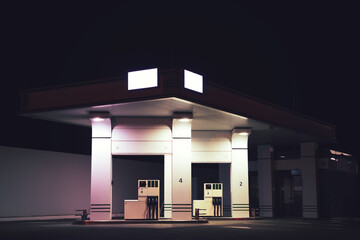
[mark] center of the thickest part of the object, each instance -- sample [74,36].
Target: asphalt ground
[242,229]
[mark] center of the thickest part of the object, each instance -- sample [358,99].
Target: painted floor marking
[237,227]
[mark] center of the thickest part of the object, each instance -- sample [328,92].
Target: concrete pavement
[242,229]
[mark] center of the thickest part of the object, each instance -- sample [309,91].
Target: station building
[265,156]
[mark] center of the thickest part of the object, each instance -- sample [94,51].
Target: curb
[89,222]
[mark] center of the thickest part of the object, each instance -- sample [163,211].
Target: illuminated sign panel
[143,79]
[193,81]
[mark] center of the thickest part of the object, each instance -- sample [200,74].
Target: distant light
[282,156]
[143,79]
[339,153]
[335,152]
[184,120]
[193,81]
[98,119]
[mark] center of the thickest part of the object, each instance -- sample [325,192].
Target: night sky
[304,57]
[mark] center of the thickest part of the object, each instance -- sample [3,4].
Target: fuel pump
[147,204]
[212,205]
[152,204]
[217,206]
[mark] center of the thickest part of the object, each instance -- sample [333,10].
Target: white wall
[41,183]
[211,147]
[130,136]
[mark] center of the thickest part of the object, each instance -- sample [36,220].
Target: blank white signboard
[143,79]
[193,81]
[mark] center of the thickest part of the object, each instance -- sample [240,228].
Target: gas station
[178,115]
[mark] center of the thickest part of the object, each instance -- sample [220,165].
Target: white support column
[101,167]
[239,174]
[181,167]
[309,179]
[265,180]
[167,185]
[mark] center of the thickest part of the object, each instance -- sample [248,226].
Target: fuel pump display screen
[217,186]
[142,184]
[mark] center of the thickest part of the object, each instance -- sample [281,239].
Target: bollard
[197,214]
[84,215]
[253,214]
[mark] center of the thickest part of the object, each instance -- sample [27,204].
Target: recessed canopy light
[244,133]
[184,120]
[98,119]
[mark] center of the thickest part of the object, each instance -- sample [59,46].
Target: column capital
[99,115]
[242,131]
[101,124]
[183,115]
[240,138]
[308,149]
[181,127]
[265,151]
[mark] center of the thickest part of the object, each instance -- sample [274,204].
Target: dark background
[301,56]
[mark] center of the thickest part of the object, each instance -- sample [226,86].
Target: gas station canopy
[213,106]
